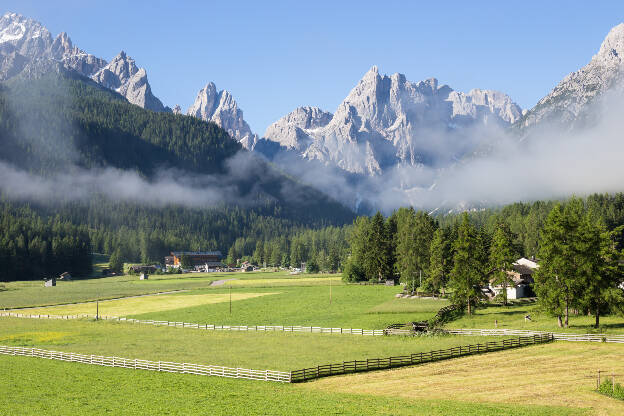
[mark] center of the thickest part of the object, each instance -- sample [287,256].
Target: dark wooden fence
[419,358]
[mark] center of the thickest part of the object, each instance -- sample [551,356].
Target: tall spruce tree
[467,273]
[559,279]
[378,258]
[440,262]
[413,238]
[502,257]
[601,270]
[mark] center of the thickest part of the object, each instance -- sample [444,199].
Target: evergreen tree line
[579,244]
[323,249]
[34,248]
[60,124]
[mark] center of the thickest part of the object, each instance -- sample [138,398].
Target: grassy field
[561,373]
[33,293]
[143,304]
[259,350]
[512,317]
[367,307]
[34,387]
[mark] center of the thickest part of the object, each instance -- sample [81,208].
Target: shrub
[353,272]
[607,388]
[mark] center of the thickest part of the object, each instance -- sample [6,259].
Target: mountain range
[385,125]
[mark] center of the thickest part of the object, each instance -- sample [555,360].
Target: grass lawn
[352,306]
[258,350]
[34,386]
[561,373]
[512,317]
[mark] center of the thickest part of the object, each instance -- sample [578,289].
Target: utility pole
[97,310]
[230,299]
[330,291]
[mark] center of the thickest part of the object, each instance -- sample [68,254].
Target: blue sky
[275,56]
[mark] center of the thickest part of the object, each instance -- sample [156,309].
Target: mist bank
[488,166]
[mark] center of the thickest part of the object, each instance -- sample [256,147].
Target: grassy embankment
[512,317]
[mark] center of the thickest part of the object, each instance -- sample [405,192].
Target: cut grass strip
[557,373]
[146,304]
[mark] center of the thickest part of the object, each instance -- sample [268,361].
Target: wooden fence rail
[556,336]
[267,328]
[137,364]
[419,358]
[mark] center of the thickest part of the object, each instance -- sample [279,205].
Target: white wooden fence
[322,330]
[521,332]
[282,328]
[166,366]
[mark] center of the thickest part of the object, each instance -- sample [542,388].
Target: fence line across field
[322,330]
[372,364]
[137,364]
[266,328]
[296,376]
[522,332]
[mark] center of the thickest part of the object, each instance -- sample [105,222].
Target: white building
[522,279]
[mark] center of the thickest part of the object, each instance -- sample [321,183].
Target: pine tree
[440,261]
[116,262]
[378,258]
[467,273]
[559,280]
[601,270]
[413,239]
[502,257]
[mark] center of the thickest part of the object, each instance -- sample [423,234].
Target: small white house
[144,276]
[522,278]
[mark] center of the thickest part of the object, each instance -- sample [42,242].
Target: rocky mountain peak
[221,108]
[122,75]
[380,123]
[24,40]
[28,36]
[564,105]
[290,130]
[612,47]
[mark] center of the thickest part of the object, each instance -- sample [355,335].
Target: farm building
[207,259]
[142,268]
[522,278]
[50,282]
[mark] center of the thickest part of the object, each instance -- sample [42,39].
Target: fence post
[598,381]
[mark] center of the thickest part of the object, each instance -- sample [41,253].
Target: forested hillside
[61,126]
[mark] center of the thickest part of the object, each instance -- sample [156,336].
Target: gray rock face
[567,101]
[123,76]
[220,108]
[386,121]
[23,40]
[25,45]
[291,130]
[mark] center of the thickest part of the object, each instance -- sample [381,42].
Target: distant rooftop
[196,253]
